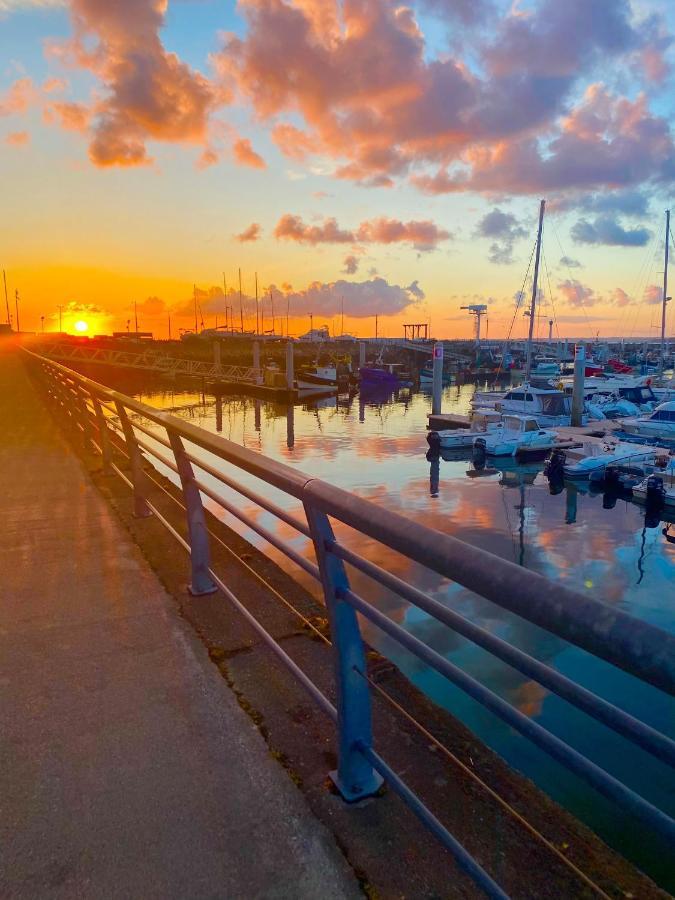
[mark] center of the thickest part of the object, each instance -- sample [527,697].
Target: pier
[106,668]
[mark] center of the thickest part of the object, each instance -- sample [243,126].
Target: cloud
[422,235]
[620,298]
[148,93]
[9,6]
[360,299]
[252,233]
[351,265]
[505,230]
[609,231]
[577,294]
[17,138]
[499,113]
[18,97]
[569,263]
[70,116]
[653,294]
[151,306]
[245,155]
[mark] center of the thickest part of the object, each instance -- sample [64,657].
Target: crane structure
[478,310]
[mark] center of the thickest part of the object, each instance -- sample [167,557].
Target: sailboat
[549,405]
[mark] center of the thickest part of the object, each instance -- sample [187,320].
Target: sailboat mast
[194,297]
[665,293]
[4,278]
[535,284]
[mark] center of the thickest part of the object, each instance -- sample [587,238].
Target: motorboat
[595,456]
[427,376]
[518,436]
[548,405]
[385,373]
[658,425]
[483,421]
[610,387]
[657,490]
[317,378]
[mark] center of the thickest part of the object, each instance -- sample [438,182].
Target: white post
[578,389]
[362,354]
[437,388]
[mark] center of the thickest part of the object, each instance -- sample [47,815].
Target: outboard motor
[612,479]
[554,470]
[434,442]
[479,454]
[654,501]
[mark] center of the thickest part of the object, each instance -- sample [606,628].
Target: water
[376,447]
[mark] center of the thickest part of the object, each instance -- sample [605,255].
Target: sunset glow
[81,326]
[363,158]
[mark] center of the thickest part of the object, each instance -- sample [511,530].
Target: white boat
[547,405]
[660,424]
[482,422]
[317,380]
[657,488]
[594,456]
[518,436]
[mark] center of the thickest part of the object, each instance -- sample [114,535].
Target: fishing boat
[658,425]
[519,436]
[427,376]
[313,378]
[384,373]
[482,422]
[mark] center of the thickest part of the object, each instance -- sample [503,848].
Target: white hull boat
[598,456]
[520,435]
[482,423]
[657,489]
[659,425]
[548,405]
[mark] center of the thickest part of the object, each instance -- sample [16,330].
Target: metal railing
[117,427]
[151,361]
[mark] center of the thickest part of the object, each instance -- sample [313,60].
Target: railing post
[200,555]
[138,477]
[83,413]
[355,778]
[104,437]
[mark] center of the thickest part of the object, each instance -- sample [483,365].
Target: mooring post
[256,362]
[290,426]
[290,366]
[219,413]
[200,553]
[138,476]
[437,388]
[578,388]
[217,346]
[355,778]
[362,354]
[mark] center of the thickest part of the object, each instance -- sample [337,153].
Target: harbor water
[375,445]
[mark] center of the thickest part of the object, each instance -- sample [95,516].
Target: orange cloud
[70,116]
[252,233]
[18,97]
[245,155]
[17,139]
[423,235]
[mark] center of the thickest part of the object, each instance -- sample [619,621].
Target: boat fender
[655,492]
[479,453]
[434,440]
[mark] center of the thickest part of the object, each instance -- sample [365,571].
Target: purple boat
[384,375]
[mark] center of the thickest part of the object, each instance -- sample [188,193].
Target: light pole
[42,322]
[60,308]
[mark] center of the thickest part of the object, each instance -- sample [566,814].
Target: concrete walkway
[127,768]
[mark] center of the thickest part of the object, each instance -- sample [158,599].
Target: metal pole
[200,557]
[169,316]
[578,388]
[60,319]
[535,282]
[216,354]
[256,362]
[241,305]
[4,278]
[355,777]
[194,297]
[665,294]
[16,307]
[138,477]
[136,317]
[437,384]
[257,321]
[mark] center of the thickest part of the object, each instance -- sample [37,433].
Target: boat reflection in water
[374,444]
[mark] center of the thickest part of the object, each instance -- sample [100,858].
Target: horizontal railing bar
[151,434]
[573,760]
[612,716]
[157,455]
[251,495]
[631,644]
[272,539]
[322,701]
[424,814]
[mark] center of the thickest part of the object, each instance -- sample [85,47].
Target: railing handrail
[641,649]
[631,644]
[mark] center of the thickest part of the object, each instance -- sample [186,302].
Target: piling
[216,353]
[437,388]
[578,388]
[290,368]
[256,362]
[362,354]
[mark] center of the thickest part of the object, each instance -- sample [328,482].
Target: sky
[359,157]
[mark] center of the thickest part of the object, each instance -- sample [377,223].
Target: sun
[81,326]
